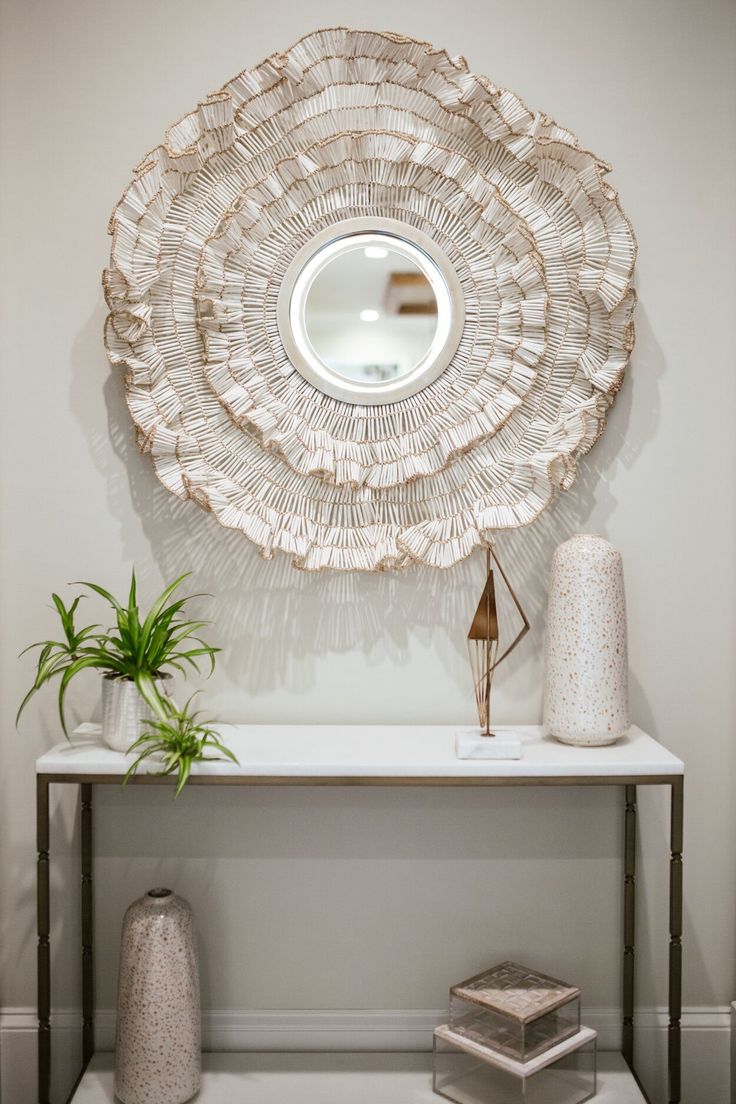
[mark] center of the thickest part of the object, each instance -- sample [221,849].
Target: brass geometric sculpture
[483,640]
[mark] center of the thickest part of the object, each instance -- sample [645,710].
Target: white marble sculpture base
[470,743]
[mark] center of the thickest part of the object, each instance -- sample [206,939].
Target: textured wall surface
[378,899]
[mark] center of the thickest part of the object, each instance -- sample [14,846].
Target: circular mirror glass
[370,311]
[372,317]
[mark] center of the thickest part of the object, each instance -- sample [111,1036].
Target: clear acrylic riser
[510,1036]
[466,1079]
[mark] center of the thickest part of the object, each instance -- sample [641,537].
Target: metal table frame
[629,783]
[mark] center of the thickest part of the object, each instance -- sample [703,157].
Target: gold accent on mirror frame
[353,125]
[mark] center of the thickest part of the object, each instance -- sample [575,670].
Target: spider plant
[179,739]
[57,656]
[141,648]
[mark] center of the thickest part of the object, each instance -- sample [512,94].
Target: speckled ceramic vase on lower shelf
[586,694]
[158,1051]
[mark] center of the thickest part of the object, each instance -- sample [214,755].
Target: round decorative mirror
[371,308]
[372,313]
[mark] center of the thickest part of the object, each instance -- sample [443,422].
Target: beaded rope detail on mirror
[348,125]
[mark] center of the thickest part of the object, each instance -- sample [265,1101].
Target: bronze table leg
[88,991]
[629,922]
[43,953]
[675,970]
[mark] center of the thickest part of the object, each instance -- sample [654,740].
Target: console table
[359,755]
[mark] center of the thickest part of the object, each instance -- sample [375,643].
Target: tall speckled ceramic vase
[586,694]
[158,1052]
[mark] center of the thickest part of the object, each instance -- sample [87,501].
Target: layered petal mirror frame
[514,256]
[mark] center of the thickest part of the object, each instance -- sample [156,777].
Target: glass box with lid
[515,1010]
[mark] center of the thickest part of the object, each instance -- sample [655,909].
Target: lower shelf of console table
[363,1078]
[362,755]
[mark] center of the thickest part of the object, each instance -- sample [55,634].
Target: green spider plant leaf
[24,703]
[66,616]
[148,690]
[73,669]
[132,592]
[42,644]
[222,751]
[103,594]
[185,767]
[160,603]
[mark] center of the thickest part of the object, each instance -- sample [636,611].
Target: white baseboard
[705,1031]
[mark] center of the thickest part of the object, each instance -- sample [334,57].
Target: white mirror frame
[361,125]
[416,247]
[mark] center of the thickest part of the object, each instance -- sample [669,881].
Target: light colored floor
[330,1079]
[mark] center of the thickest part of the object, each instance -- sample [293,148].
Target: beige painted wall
[376,899]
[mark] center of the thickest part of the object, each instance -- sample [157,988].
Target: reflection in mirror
[370,313]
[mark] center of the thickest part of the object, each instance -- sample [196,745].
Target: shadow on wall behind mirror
[273,619]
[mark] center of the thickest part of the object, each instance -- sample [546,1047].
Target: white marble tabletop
[378,752]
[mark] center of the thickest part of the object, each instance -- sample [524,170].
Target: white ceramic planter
[123,711]
[158,1057]
[586,698]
